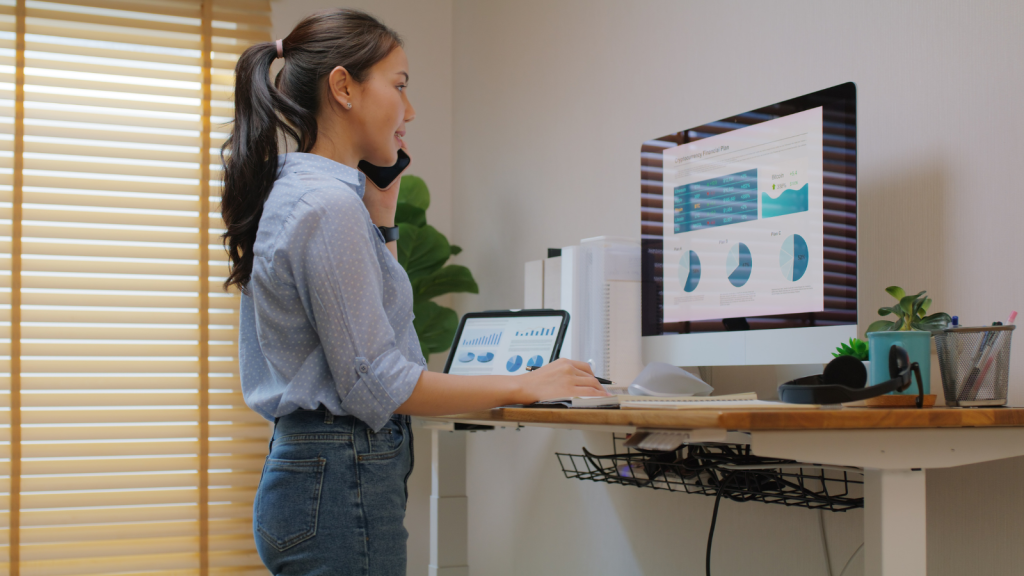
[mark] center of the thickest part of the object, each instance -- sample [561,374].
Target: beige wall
[552,101]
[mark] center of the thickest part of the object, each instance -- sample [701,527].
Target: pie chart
[535,361]
[689,271]
[466,357]
[484,358]
[514,363]
[738,264]
[793,257]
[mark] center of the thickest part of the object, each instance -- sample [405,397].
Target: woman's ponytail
[263,110]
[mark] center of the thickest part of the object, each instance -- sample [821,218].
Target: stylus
[604,381]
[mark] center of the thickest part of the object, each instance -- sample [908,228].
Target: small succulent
[910,313]
[857,348]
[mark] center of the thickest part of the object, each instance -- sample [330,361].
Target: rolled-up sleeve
[334,255]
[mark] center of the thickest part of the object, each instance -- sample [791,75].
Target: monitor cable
[714,520]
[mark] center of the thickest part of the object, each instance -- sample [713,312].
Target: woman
[327,347]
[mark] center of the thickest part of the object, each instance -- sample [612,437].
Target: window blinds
[126,447]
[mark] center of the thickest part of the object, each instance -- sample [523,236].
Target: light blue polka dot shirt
[328,317]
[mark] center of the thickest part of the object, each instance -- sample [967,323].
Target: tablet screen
[504,344]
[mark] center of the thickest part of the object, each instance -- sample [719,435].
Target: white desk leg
[448,511]
[894,523]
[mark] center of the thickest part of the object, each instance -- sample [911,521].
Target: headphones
[844,380]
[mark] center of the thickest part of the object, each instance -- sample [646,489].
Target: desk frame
[895,447]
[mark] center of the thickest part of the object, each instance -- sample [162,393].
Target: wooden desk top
[847,418]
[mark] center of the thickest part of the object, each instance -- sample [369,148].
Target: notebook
[631,402]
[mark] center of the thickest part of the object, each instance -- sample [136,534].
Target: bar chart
[481,339]
[536,332]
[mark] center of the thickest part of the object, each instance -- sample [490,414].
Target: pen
[976,365]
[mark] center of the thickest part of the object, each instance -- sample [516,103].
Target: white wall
[426,27]
[552,100]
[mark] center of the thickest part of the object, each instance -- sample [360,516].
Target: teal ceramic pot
[917,344]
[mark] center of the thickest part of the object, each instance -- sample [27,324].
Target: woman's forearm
[441,394]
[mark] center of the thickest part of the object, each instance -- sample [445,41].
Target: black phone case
[383,177]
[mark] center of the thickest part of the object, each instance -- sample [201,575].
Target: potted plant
[911,329]
[857,348]
[424,252]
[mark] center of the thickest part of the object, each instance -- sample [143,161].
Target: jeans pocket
[288,501]
[386,443]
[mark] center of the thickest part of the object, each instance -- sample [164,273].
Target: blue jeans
[332,497]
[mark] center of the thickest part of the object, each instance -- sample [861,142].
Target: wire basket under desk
[728,468]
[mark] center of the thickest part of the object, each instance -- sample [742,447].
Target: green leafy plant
[857,348]
[424,253]
[910,313]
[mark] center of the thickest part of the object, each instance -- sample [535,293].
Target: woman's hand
[381,203]
[559,379]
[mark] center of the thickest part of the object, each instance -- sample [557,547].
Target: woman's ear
[340,85]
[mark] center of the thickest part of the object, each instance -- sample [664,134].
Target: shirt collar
[304,162]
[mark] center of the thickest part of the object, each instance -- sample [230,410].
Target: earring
[349,106]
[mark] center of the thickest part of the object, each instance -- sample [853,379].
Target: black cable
[714,520]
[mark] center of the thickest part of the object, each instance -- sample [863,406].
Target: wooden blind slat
[131,449]
[14,518]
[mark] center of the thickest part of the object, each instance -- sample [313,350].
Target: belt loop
[270,446]
[328,417]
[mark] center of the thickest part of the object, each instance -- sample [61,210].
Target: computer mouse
[660,379]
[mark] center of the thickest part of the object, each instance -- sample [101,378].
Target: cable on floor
[824,541]
[859,548]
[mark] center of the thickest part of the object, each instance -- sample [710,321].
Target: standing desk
[894,447]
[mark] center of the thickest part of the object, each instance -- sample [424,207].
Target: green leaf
[435,326]
[406,213]
[880,326]
[925,306]
[455,249]
[407,236]
[918,302]
[414,191]
[899,325]
[451,278]
[421,251]
[860,349]
[896,292]
[939,320]
[886,310]
[907,303]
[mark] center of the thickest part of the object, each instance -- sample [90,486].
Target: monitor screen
[513,342]
[750,222]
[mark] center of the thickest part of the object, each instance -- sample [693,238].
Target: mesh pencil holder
[975,364]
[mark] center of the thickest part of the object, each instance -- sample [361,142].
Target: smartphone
[383,177]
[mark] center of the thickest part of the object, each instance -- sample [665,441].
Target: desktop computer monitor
[749,235]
